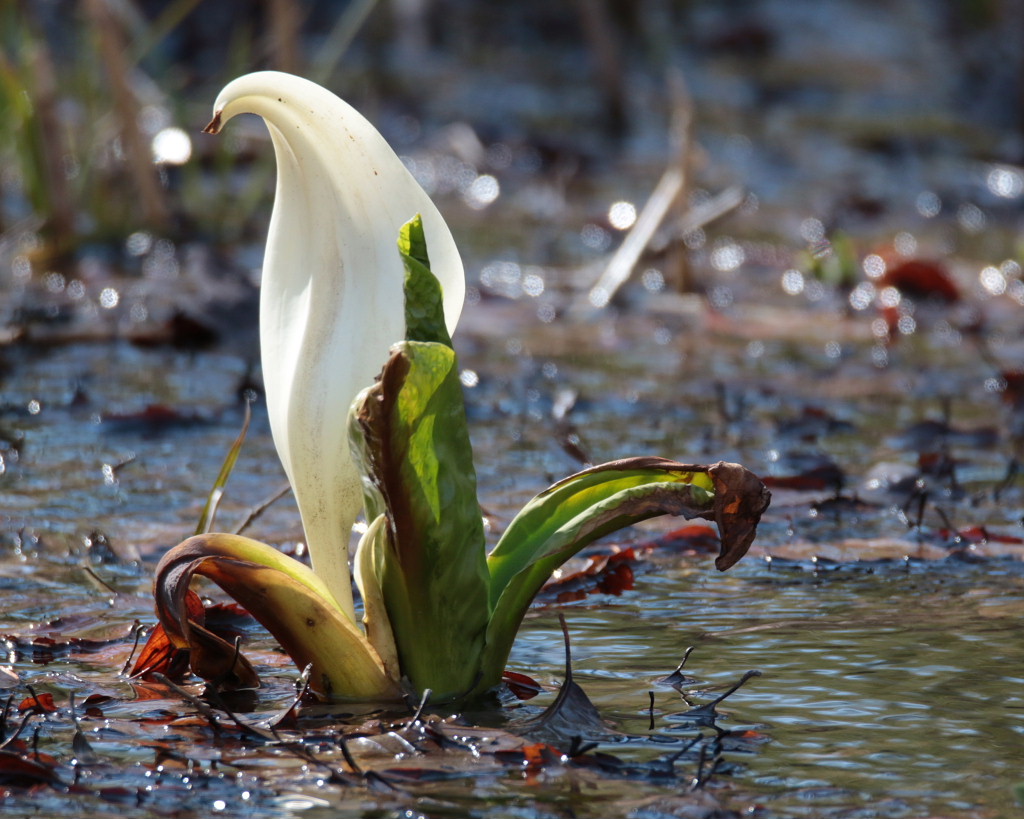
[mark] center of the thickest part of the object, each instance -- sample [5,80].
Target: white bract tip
[332,299]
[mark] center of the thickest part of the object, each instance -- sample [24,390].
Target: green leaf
[287,598]
[424,304]
[410,437]
[576,511]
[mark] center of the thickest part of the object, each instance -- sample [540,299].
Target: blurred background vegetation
[529,119]
[102,101]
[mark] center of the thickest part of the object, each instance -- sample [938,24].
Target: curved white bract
[331,301]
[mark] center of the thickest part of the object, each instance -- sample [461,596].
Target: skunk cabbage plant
[331,293]
[367,412]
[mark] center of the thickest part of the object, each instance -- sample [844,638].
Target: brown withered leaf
[38,704]
[210,656]
[160,656]
[604,573]
[740,500]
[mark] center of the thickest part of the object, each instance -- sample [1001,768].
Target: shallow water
[886,688]
[890,682]
[888,692]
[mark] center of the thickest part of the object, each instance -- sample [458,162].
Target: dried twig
[260,508]
[667,198]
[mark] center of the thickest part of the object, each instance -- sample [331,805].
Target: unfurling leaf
[410,436]
[424,305]
[369,569]
[282,594]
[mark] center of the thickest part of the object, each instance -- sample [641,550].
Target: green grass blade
[209,513]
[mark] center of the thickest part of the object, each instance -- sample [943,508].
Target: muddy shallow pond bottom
[888,686]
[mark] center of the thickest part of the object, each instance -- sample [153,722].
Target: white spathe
[331,301]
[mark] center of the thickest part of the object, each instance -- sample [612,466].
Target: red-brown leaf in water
[19,770]
[616,579]
[92,705]
[608,573]
[38,704]
[825,476]
[921,279]
[1013,393]
[979,534]
[153,419]
[692,539]
[533,758]
[525,688]
[158,656]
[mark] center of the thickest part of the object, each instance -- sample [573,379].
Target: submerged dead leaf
[522,686]
[572,714]
[605,573]
[22,771]
[38,704]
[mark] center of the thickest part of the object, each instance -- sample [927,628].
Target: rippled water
[891,688]
[887,688]
[892,692]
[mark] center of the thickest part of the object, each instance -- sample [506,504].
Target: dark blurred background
[813,134]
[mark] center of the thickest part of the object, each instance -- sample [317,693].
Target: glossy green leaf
[411,439]
[574,512]
[424,304]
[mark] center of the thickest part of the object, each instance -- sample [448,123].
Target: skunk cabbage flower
[331,302]
[341,302]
